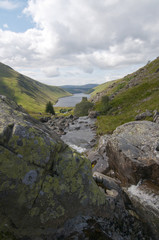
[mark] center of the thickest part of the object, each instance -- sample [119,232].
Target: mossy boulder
[47,190]
[43,183]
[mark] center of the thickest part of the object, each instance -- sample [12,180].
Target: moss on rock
[43,182]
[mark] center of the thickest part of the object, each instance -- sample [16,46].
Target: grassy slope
[101,88]
[133,94]
[31,94]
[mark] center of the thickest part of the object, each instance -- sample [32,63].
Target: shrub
[105,105]
[82,108]
[49,108]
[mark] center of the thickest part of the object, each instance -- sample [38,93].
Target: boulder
[134,157]
[143,115]
[47,190]
[43,183]
[132,152]
[98,156]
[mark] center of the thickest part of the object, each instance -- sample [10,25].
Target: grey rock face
[143,115]
[43,183]
[132,152]
[47,190]
[98,156]
[133,155]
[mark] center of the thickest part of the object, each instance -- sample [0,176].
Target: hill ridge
[131,95]
[28,92]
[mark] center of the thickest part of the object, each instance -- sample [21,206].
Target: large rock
[47,191]
[133,153]
[98,156]
[42,182]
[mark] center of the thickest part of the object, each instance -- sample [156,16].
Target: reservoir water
[71,101]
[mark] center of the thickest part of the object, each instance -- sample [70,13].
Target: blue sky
[13,18]
[61,42]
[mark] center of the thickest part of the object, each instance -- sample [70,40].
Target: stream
[80,134]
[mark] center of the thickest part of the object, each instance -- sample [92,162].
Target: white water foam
[77,148]
[146,196]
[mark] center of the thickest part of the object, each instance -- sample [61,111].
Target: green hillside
[129,96]
[101,88]
[31,94]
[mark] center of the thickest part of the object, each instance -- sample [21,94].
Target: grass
[101,88]
[38,115]
[31,94]
[128,102]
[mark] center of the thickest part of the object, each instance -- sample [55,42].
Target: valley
[107,161]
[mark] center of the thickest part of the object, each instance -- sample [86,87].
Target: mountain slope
[129,96]
[31,94]
[79,88]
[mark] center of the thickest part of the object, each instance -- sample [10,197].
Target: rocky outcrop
[47,190]
[156,116]
[143,115]
[133,155]
[43,183]
[98,156]
[133,152]
[58,124]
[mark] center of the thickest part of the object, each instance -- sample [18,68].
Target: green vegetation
[130,96]
[82,108]
[49,108]
[101,88]
[31,94]
[104,106]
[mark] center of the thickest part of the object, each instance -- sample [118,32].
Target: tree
[49,108]
[82,108]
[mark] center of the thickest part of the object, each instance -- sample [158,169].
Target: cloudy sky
[61,42]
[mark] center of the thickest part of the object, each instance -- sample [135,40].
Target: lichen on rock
[43,182]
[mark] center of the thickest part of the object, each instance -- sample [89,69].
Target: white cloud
[88,36]
[51,71]
[8,5]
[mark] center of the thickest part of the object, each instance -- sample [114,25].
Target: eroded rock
[43,182]
[47,190]
[132,152]
[133,156]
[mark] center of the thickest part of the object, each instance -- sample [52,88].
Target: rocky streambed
[78,133]
[131,156]
[48,190]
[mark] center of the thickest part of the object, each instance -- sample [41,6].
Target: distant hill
[129,96]
[31,94]
[88,88]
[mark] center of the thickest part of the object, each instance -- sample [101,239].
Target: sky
[60,42]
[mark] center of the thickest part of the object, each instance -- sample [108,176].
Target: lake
[71,101]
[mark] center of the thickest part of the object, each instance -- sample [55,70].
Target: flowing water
[80,135]
[146,194]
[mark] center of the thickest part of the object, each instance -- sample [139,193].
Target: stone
[98,156]
[93,114]
[47,190]
[156,116]
[43,182]
[133,155]
[132,152]
[143,115]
